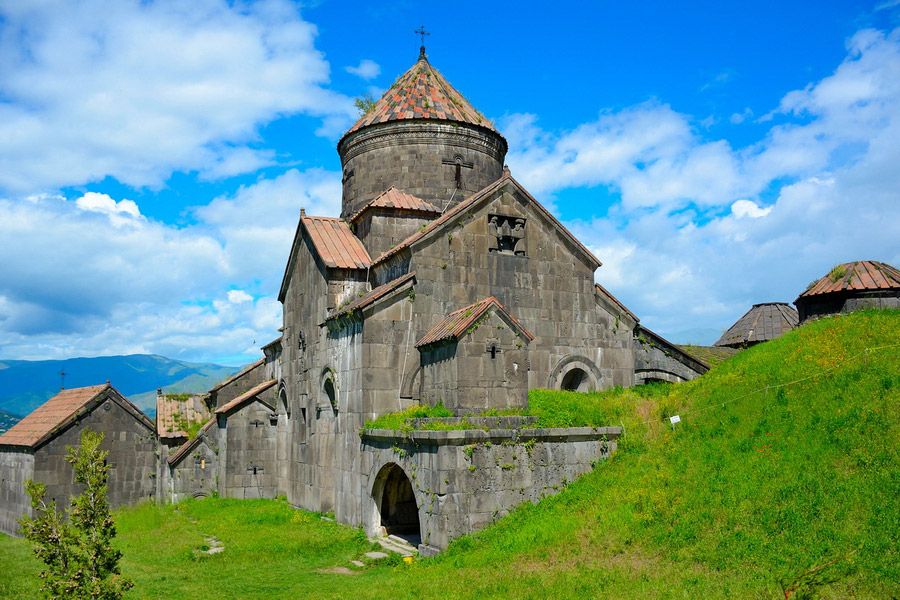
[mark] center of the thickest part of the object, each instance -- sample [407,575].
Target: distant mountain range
[25,384]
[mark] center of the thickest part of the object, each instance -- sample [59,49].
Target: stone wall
[486,368]
[549,290]
[380,230]
[236,385]
[132,456]
[247,449]
[196,474]
[463,480]
[812,307]
[656,359]
[413,156]
[16,466]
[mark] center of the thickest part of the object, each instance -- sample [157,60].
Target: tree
[81,562]
[364,104]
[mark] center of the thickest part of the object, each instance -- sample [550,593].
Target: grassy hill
[25,385]
[781,477]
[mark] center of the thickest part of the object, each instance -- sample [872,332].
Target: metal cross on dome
[423,33]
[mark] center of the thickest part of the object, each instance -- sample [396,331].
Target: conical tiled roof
[422,93]
[856,276]
[763,322]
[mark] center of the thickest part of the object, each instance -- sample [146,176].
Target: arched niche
[575,373]
[397,511]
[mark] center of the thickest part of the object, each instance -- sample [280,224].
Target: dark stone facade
[128,436]
[420,158]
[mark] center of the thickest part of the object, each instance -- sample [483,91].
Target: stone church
[443,281]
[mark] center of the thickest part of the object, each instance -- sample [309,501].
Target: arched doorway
[396,504]
[575,380]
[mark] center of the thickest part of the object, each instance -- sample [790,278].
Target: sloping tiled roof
[335,243]
[394,198]
[763,322]
[57,412]
[604,292]
[246,397]
[172,412]
[190,444]
[472,201]
[236,376]
[856,276]
[457,322]
[422,93]
[372,296]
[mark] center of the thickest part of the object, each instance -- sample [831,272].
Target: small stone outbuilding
[36,448]
[850,287]
[763,322]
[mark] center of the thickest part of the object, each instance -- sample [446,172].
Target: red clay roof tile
[335,243]
[394,198]
[422,93]
[57,412]
[856,276]
[457,322]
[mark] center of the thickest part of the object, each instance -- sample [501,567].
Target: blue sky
[154,155]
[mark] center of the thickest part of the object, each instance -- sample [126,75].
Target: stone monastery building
[443,281]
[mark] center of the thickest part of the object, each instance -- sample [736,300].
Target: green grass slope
[781,477]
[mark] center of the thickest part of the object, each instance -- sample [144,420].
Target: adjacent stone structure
[444,282]
[849,287]
[36,448]
[763,322]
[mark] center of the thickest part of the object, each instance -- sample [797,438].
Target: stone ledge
[463,437]
[507,422]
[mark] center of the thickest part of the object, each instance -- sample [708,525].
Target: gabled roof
[422,93]
[371,296]
[856,276]
[762,322]
[471,202]
[458,322]
[171,413]
[189,445]
[397,199]
[246,397]
[333,242]
[236,376]
[605,293]
[60,410]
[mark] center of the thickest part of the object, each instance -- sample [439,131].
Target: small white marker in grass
[674,419]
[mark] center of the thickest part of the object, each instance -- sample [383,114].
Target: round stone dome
[423,138]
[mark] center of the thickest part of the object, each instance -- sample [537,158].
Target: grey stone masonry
[463,480]
[415,156]
[16,466]
[657,359]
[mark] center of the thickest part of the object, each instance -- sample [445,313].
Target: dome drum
[435,160]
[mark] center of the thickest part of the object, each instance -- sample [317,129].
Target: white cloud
[367,69]
[136,90]
[239,296]
[692,244]
[748,208]
[79,283]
